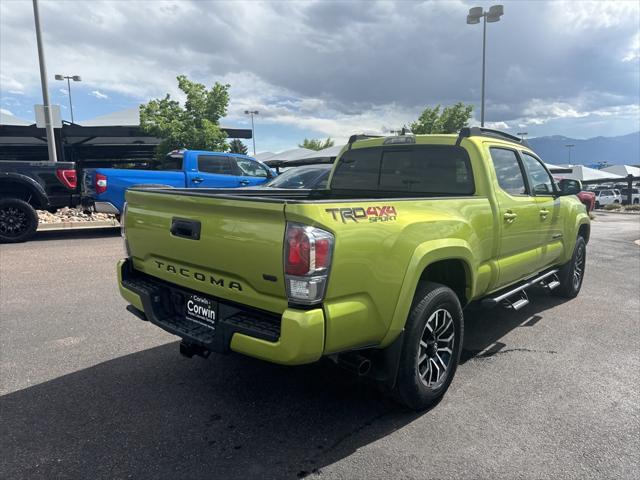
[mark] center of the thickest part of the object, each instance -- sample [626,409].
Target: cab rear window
[417,169]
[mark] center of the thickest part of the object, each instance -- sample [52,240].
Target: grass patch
[632,208]
[613,206]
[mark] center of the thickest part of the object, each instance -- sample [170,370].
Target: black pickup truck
[27,186]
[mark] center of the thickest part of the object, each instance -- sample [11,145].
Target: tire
[18,220]
[435,308]
[636,201]
[571,274]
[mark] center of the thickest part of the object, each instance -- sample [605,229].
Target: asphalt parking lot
[88,391]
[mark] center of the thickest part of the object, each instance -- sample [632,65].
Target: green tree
[194,125]
[314,144]
[236,146]
[450,120]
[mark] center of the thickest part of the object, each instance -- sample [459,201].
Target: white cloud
[6,112]
[498,125]
[63,91]
[11,85]
[336,68]
[99,95]
[633,53]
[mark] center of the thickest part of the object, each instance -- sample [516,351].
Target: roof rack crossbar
[489,132]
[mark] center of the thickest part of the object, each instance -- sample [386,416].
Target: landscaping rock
[66,214]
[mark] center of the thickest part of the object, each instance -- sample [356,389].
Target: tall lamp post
[253,133]
[569,147]
[75,78]
[492,15]
[51,145]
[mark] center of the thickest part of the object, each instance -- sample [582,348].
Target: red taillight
[67,177]
[323,251]
[298,251]
[307,258]
[100,183]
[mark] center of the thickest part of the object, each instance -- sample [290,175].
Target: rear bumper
[106,207]
[61,201]
[295,338]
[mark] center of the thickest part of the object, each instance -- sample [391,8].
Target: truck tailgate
[237,257]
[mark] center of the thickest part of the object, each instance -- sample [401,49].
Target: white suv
[607,197]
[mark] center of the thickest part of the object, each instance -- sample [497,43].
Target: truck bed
[276,195]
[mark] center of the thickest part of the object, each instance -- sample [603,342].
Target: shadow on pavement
[154,414]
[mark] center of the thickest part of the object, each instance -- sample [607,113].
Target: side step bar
[548,279]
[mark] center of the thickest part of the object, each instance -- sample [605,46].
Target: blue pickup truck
[104,188]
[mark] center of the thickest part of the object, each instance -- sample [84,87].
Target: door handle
[543,213]
[185,228]
[244,182]
[510,216]
[197,180]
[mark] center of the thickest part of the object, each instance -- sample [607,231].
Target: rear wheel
[571,274]
[18,220]
[431,348]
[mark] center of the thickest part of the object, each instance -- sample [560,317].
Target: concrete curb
[77,225]
[613,212]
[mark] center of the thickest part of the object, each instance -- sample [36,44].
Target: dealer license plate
[202,309]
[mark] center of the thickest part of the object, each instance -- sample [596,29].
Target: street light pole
[253,136]
[569,147]
[492,15]
[484,56]
[75,78]
[522,135]
[51,142]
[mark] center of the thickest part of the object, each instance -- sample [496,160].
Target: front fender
[426,254]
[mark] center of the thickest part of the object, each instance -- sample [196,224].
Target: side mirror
[569,187]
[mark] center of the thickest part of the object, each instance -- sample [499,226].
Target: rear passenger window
[429,169]
[358,169]
[539,179]
[217,164]
[508,171]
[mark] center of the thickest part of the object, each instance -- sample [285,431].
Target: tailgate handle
[182,227]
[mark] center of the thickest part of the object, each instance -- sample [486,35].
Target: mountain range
[622,150]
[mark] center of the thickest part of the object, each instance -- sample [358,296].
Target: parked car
[104,188]
[313,177]
[372,272]
[607,197]
[635,195]
[27,186]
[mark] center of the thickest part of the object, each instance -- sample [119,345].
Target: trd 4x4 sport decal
[385,213]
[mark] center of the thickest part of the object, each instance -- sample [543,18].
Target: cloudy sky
[317,69]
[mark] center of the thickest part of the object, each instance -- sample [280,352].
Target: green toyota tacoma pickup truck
[374,272]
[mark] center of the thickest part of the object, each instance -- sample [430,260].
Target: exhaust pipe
[355,363]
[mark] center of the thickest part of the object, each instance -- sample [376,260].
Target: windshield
[302,177]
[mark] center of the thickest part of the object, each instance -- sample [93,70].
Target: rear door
[251,172]
[214,171]
[518,250]
[550,222]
